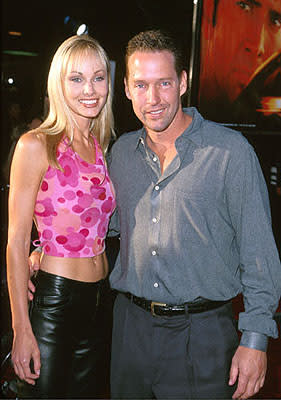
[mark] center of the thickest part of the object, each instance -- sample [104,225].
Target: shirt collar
[140,137]
[194,131]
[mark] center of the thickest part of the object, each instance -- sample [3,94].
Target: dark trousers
[178,357]
[68,322]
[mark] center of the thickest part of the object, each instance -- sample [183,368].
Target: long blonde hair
[59,119]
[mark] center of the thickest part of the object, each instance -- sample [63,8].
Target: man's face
[245,35]
[154,88]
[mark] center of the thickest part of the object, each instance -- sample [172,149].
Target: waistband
[60,281]
[167,310]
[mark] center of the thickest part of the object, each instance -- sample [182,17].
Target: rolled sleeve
[260,271]
[254,340]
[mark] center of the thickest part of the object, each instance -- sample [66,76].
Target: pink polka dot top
[73,207]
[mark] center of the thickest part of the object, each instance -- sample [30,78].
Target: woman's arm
[28,166]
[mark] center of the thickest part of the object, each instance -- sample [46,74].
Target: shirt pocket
[193,213]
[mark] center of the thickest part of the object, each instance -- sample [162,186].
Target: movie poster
[239,64]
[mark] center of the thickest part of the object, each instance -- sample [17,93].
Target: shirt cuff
[254,340]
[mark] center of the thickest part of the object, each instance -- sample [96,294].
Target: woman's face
[86,86]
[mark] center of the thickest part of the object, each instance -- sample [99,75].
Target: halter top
[73,206]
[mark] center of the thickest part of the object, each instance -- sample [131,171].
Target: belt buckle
[155,303]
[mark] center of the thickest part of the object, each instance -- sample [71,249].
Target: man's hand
[249,367]
[34,264]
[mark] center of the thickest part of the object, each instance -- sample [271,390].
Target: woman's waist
[86,269]
[64,293]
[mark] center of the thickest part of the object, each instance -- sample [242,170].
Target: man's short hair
[153,41]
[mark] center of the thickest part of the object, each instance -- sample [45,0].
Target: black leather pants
[69,323]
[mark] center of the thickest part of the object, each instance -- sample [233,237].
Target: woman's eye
[75,79]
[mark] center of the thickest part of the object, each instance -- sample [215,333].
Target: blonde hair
[59,119]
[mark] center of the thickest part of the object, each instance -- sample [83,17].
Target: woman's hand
[26,357]
[34,265]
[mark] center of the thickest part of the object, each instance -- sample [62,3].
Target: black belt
[162,309]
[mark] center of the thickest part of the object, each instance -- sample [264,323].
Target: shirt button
[157,187]
[153,253]
[155,284]
[154,159]
[154,220]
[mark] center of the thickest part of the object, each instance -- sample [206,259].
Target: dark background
[112,23]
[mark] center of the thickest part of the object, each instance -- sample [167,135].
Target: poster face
[240,63]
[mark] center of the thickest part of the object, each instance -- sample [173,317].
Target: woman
[59,179]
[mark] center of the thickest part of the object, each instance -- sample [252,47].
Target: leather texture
[68,321]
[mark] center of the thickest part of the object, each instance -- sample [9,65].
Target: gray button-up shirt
[202,229]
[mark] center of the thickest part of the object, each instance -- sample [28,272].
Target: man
[237,39]
[194,222]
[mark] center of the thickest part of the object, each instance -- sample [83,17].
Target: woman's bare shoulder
[31,149]
[33,140]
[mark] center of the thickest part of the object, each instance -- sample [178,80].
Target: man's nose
[153,95]
[255,43]
[261,44]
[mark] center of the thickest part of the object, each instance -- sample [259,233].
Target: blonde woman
[59,179]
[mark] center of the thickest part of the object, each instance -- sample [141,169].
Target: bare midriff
[91,269]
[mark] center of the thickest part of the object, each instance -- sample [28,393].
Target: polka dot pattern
[74,205]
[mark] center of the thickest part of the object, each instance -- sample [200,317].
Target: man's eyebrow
[274,13]
[249,2]
[254,3]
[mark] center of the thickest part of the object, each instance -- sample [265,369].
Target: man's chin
[156,126]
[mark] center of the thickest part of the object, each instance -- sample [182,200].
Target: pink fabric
[73,207]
